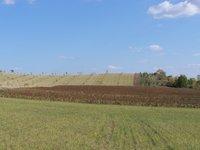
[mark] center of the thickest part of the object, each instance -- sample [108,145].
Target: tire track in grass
[128,132]
[133,139]
[182,133]
[105,133]
[152,141]
[155,132]
[124,137]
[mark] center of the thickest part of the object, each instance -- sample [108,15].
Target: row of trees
[159,78]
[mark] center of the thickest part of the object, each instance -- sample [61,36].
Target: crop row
[120,95]
[17,81]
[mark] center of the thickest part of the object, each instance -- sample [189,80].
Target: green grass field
[16,81]
[54,125]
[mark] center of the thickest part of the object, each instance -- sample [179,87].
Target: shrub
[191,83]
[181,82]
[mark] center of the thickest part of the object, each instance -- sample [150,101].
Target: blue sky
[98,35]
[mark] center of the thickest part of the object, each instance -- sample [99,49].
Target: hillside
[17,81]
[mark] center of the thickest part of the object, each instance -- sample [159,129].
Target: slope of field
[17,81]
[56,125]
[121,95]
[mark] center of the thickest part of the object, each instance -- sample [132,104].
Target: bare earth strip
[120,95]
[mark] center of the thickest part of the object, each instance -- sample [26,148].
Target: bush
[197,85]
[159,78]
[147,79]
[191,83]
[181,82]
[170,81]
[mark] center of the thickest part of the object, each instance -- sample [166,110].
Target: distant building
[198,77]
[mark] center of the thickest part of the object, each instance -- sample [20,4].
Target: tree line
[159,78]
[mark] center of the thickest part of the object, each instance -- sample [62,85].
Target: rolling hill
[11,80]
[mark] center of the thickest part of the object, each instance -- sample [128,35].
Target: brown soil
[122,95]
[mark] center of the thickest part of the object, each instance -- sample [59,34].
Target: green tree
[191,83]
[197,85]
[170,81]
[181,82]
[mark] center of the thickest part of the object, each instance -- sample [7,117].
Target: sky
[97,35]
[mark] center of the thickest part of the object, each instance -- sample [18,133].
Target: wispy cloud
[135,49]
[190,70]
[114,67]
[167,9]
[156,48]
[13,2]
[9,2]
[193,66]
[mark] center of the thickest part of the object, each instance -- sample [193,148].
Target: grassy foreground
[55,125]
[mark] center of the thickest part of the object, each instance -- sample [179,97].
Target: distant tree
[191,83]
[159,78]
[181,82]
[148,79]
[144,79]
[160,74]
[170,81]
[12,71]
[198,77]
[197,85]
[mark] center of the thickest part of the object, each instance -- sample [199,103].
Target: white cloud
[134,49]
[9,2]
[13,2]
[156,48]
[167,9]
[113,67]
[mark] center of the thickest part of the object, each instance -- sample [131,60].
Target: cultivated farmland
[56,125]
[121,95]
[17,81]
